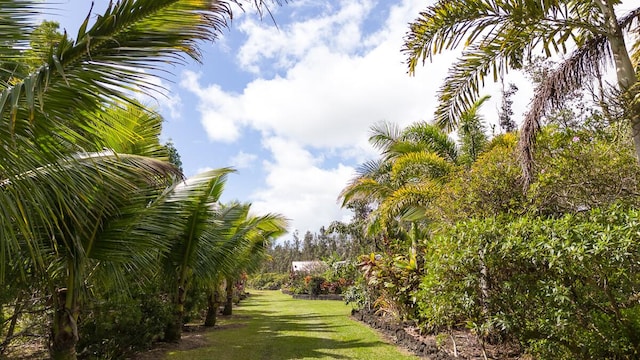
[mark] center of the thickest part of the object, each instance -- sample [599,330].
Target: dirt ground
[193,337]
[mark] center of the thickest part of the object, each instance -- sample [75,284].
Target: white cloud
[333,81]
[243,160]
[330,94]
[215,105]
[340,30]
[299,188]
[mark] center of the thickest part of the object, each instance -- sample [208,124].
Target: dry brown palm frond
[584,65]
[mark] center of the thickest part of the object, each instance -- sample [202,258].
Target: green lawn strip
[272,326]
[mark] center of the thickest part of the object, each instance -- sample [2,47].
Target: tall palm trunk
[64,331]
[228,305]
[625,71]
[213,302]
[173,331]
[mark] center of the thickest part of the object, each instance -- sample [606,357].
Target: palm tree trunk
[228,305]
[64,330]
[173,331]
[625,71]
[213,301]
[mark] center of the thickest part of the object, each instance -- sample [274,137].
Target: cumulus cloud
[330,93]
[320,82]
[298,187]
[339,29]
[243,160]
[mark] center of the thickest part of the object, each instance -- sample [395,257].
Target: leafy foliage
[563,287]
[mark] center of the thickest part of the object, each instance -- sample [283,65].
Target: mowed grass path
[272,326]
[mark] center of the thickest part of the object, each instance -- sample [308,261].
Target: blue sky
[290,106]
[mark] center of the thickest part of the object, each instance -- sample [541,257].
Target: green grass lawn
[272,326]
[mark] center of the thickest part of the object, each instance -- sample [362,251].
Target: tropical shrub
[314,284]
[564,288]
[391,282]
[358,296]
[579,170]
[117,326]
[491,185]
[267,281]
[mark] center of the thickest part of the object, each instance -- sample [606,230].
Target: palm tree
[91,233]
[253,237]
[502,35]
[47,112]
[89,228]
[197,246]
[414,165]
[62,197]
[472,132]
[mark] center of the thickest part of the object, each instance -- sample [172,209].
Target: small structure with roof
[308,266]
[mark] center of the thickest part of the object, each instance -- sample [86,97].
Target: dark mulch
[459,344]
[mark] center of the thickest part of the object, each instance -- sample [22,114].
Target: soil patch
[193,337]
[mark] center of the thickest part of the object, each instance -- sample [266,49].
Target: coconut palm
[112,193]
[252,237]
[62,197]
[502,35]
[208,240]
[197,246]
[46,113]
[91,235]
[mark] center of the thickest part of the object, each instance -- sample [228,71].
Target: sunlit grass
[272,326]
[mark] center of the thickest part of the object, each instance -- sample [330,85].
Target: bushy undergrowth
[119,326]
[564,288]
[267,281]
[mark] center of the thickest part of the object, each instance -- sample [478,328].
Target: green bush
[564,288]
[358,296]
[119,326]
[267,281]
[195,305]
[314,284]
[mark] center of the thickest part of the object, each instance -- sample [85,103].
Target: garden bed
[460,344]
[318,297]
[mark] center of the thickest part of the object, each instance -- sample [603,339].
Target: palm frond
[405,198]
[466,77]
[17,23]
[432,137]
[584,65]
[370,168]
[364,189]
[414,167]
[383,134]
[62,203]
[497,36]
[126,128]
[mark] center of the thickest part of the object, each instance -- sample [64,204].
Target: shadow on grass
[273,335]
[296,347]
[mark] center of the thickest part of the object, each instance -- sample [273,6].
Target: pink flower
[575,139]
